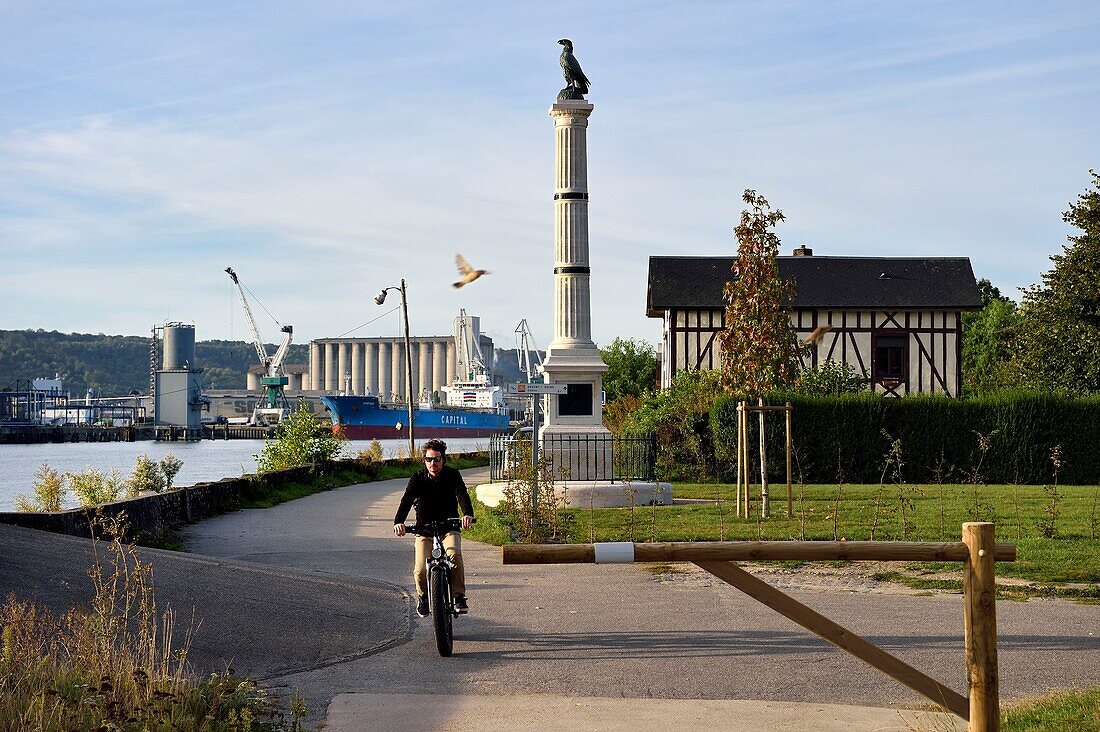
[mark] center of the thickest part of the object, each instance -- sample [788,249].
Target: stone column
[316,371]
[370,367]
[572,358]
[332,380]
[385,383]
[439,365]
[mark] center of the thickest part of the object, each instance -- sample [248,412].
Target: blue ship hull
[365,418]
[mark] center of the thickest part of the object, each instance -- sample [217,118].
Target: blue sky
[325,150]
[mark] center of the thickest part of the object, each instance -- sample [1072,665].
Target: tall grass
[119,664]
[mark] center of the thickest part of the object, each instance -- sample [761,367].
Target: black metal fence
[577,457]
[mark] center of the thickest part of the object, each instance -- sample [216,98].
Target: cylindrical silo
[425,363]
[370,367]
[439,364]
[385,382]
[179,347]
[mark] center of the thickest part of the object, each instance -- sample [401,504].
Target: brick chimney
[803,251]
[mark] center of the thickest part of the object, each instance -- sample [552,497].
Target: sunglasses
[436,459]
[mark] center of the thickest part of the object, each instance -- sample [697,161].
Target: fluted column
[572,358]
[385,374]
[572,321]
[370,367]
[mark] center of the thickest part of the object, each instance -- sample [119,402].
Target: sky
[328,150]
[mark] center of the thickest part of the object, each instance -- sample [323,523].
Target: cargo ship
[366,417]
[470,407]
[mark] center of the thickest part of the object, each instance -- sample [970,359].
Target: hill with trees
[115,364]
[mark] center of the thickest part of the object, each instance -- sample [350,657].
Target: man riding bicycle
[437,492]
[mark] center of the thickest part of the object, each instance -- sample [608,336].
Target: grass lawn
[1068,711]
[863,512]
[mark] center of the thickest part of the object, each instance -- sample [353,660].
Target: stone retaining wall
[154,514]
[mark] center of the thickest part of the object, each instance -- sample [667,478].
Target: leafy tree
[631,368]
[1059,329]
[301,440]
[759,346]
[988,341]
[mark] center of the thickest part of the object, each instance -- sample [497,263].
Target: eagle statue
[576,83]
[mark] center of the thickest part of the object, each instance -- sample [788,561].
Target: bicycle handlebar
[435,528]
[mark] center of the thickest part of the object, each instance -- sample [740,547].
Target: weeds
[531,501]
[115,666]
[1048,523]
[48,492]
[839,492]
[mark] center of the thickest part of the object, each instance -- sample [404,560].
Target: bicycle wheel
[441,611]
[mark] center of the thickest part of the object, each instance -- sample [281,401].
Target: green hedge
[833,435]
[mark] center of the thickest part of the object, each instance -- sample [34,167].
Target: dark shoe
[422,606]
[460,604]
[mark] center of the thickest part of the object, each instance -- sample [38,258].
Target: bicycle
[441,605]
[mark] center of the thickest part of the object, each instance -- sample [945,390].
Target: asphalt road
[315,594]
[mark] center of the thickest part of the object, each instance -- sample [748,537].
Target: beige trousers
[452,543]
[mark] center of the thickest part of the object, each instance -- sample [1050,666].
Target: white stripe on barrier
[613,552]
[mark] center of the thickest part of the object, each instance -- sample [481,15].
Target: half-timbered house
[895,320]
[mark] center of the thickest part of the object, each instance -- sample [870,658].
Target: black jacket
[435,499]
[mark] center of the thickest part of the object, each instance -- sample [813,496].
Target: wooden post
[790,504]
[765,502]
[740,416]
[745,442]
[980,618]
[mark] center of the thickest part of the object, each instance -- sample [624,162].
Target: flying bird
[575,80]
[468,273]
[815,337]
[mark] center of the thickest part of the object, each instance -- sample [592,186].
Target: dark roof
[907,283]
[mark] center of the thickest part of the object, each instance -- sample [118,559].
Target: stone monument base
[591,493]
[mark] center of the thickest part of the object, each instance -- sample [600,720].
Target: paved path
[582,631]
[314,594]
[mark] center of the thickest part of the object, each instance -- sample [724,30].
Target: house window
[891,357]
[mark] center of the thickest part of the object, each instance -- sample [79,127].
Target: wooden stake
[980,617]
[790,504]
[745,441]
[740,417]
[765,502]
[841,637]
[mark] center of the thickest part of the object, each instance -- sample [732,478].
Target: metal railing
[577,457]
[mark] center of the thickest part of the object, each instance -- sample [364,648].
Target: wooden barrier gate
[978,551]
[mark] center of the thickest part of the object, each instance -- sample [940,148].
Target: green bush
[939,437]
[301,440]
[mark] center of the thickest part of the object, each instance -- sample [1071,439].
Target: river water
[204,460]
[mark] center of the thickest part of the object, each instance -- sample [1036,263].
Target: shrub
[92,487]
[170,467]
[48,492]
[145,477]
[830,378]
[301,440]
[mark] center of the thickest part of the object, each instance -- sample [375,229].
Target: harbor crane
[273,406]
[527,346]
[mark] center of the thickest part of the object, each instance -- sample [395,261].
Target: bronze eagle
[576,83]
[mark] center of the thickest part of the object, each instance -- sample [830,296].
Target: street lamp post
[379,299]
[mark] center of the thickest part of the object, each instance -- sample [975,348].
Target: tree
[1059,328]
[301,440]
[988,341]
[759,346]
[631,368]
